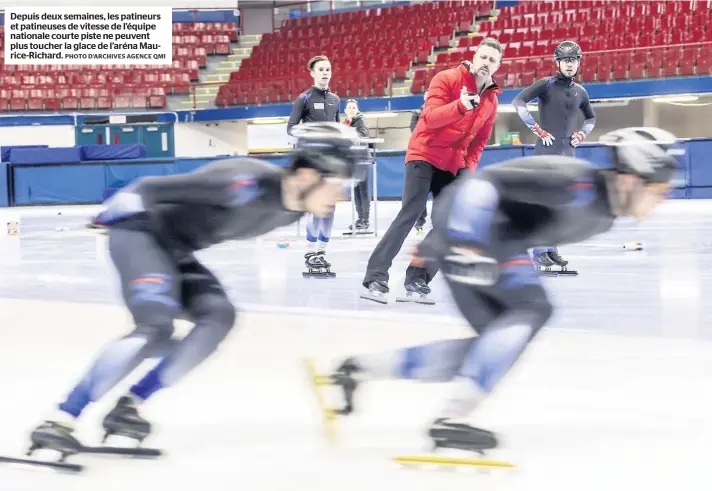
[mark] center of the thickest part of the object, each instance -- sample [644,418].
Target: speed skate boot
[559,261]
[51,435]
[344,379]
[124,420]
[544,263]
[377,291]
[317,266]
[417,291]
[446,433]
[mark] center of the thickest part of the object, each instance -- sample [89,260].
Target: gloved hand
[121,205]
[545,136]
[468,100]
[577,138]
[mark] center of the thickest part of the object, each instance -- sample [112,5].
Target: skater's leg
[151,289]
[313,227]
[427,271]
[324,235]
[418,175]
[364,195]
[438,361]
[525,309]
[214,316]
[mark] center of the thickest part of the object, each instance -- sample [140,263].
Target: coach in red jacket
[455,125]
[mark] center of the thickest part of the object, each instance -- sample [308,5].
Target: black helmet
[650,153]
[567,49]
[332,149]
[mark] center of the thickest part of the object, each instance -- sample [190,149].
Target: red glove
[577,138]
[545,136]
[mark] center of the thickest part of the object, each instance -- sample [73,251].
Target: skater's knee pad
[215,310]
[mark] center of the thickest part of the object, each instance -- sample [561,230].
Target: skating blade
[328,415]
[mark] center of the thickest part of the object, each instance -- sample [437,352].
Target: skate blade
[123,451]
[567,273]
[349,234]
[328,415]
[60,466]
[450,462]
[422,301]
[319,275]
[375,298]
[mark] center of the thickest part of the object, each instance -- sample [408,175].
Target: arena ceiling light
[375,115]
[268,121]
[675,98]
[508,108]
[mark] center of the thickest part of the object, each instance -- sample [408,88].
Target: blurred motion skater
[420,223]
[560,100]
[362,198]
[454,127]
[484,225]
[155,227]
[317,104]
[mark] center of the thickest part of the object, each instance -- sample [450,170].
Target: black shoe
[461,436]
[556,259]
[124,420]
[343,377]
[54,436]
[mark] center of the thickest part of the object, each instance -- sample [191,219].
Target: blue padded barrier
[91,182]
[5,151]
[4,191]
[58,184]
[121,151]
[45,156]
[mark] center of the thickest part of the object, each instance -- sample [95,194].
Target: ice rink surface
[616,392]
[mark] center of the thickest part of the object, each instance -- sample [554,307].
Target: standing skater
[560,100]
[317,104]
[484,225]
[155,227]
[362,197]
[454,127]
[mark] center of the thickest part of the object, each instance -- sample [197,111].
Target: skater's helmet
[332,149]
[650,153]
[567,49]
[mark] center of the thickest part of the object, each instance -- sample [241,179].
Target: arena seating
[367,49]
[65,88]
[621,41]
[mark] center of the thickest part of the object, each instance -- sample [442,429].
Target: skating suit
[506,209]
[230,199]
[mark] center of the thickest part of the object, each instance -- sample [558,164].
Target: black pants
[362,198]
[421,178]
[422,218]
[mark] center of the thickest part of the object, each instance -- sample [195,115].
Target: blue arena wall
[89,182]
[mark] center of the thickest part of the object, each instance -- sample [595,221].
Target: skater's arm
[520,101]
[360,127]
[438,110]
[297,112]
[212,188]
[590,121]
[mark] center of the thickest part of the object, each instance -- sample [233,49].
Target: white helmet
[650,153]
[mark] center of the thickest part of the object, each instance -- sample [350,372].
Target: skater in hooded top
[484,225]
[560,100]
[155,227]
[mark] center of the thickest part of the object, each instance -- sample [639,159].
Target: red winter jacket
[448,136]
